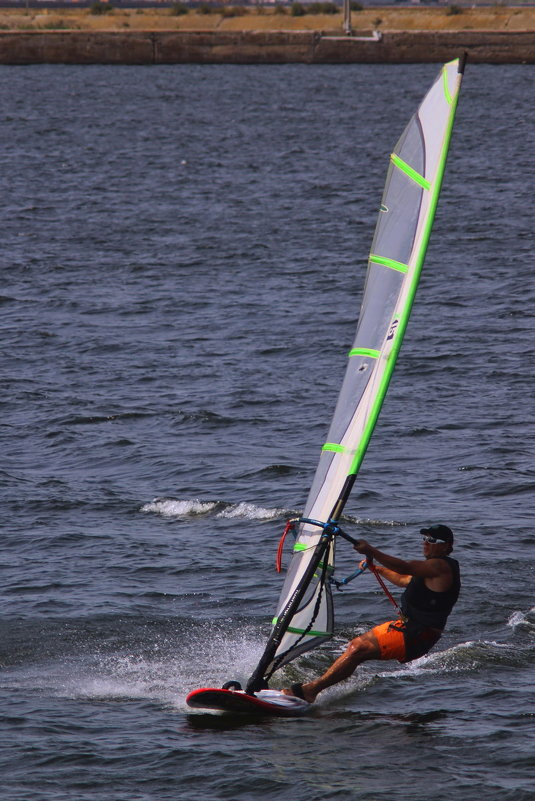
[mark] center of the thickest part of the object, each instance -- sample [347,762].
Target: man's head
[438,539]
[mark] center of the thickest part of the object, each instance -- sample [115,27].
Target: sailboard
[304,617]
[263,702]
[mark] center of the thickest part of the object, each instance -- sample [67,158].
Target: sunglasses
[433,540]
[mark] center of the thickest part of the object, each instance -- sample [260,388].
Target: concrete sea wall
[262,47]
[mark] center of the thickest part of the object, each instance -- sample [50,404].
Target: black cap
[439,532]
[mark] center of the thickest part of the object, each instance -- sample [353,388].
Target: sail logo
[392,330]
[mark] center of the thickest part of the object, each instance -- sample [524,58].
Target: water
[183,253]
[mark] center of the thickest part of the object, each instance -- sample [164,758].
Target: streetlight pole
[347,18]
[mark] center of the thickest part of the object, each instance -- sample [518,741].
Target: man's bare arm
[392,576]
[425,568]
[389,575]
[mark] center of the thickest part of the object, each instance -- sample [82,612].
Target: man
[432,588]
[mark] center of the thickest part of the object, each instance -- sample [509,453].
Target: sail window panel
[398,220]
[383,287]
[309,595]
[293,646]
[294,641]
[324,465]
[353,389]
[411,146]
[381,295]
[328,484]
[315,611]
[328,481]
[434,114]
[295,570]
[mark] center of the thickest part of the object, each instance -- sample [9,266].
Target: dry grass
[490,18]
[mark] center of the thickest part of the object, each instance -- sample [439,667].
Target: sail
[304,616]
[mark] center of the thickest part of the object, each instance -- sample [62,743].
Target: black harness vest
[426,607]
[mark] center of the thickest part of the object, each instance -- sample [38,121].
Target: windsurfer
[432,587]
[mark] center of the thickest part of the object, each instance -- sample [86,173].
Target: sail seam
[410,172]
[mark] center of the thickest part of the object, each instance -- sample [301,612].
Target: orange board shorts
[391,640]
[403,642]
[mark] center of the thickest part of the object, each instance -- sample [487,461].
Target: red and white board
[264,702]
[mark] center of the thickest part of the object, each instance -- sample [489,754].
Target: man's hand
[362,546]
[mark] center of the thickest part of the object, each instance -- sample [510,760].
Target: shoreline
[391,35]
[260,47]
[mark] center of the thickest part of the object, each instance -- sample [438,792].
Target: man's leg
[359,650]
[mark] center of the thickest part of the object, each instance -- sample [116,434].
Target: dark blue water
[183,251]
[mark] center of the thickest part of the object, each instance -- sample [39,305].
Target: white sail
[405,219]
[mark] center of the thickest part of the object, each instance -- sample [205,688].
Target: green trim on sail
[299,547]
[410,172]
[447,93]
[392,263]
[311,633]
[333,446]
[295,630]
[373,354]
[404,316]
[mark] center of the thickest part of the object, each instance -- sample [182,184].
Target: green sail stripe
[311,633]
[299,547]
[333,446]
[404,316]
[392,263]
[373,354]
[447,93]
[408,170]
[295,630]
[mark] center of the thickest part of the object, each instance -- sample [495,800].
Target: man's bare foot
[301,691]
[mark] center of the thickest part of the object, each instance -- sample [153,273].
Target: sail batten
[410,171]
[335,447]
[394,265]
[304,616]
[373,354]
